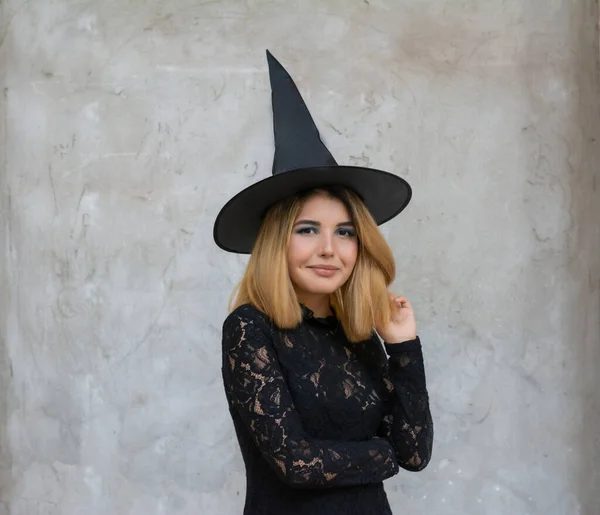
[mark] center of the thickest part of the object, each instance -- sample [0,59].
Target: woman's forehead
[321,205]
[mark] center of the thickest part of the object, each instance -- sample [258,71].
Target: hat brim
[236,227]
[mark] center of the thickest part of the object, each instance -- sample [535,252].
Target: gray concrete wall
[126,125]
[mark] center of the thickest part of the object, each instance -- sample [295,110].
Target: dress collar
[308,314]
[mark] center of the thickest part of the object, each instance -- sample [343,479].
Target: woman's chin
[321,289]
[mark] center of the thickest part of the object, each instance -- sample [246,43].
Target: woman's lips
[324,271]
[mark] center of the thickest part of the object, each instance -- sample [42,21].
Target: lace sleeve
[259,394]
[407,423]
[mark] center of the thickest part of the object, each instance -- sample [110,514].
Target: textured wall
[127,124]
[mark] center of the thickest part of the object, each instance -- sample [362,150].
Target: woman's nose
[326,244]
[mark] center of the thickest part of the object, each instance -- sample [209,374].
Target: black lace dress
[322,422]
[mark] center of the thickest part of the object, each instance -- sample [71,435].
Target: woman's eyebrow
[314,222]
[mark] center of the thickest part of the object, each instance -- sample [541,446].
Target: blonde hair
[360,303]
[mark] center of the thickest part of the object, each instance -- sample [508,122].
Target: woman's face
[323,247]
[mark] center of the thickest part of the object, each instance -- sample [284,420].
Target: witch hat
[301,162]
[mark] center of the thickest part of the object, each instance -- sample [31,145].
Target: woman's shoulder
[249,325]
[247,314]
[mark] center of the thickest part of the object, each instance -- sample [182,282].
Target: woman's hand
[401,327]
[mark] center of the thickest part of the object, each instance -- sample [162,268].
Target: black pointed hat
[301,162]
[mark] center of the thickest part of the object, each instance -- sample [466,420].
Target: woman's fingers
[399,300]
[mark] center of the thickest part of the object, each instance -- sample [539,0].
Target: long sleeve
[259,394]
[407,422]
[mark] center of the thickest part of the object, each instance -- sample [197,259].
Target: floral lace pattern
[321,422]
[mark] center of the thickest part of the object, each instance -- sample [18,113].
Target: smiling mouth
[323,271]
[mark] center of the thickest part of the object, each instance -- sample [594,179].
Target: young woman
[322,415]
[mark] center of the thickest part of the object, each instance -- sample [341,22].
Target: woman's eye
[347,232]
[306,230]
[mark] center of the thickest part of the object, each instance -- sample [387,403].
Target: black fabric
[322,422]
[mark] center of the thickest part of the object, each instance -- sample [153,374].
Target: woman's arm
[258,391]
[407,423]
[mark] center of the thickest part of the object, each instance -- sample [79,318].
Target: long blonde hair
[360,303]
